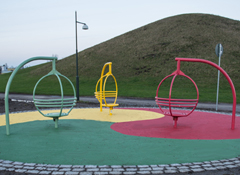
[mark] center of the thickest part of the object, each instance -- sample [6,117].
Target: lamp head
[85,27]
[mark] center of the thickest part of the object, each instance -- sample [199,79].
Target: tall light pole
[85,27]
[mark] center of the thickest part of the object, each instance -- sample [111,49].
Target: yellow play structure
[102,94]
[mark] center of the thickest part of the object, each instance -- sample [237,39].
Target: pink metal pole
[227,77]
[170,94]
[178,66]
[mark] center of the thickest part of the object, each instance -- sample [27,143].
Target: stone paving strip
[34,168]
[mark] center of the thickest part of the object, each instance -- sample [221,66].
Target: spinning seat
[60,103]
[166,105]
[102,94]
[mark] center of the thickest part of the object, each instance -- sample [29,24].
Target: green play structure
[59,103]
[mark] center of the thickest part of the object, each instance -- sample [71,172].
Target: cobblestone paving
[189,168]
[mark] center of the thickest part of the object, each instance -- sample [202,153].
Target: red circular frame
[178,103]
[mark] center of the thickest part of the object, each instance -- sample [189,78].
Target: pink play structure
[189,103]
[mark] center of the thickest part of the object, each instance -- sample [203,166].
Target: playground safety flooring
[132,140]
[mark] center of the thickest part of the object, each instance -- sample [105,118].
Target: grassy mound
[143,57]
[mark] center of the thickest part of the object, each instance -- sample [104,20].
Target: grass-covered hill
[144,56]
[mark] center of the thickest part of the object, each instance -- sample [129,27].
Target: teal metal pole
[56,122]
[9,84]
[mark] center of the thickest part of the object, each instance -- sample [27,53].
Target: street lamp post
[85,27]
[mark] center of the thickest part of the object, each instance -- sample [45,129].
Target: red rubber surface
[198,125]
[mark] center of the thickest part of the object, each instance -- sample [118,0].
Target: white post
[219,61]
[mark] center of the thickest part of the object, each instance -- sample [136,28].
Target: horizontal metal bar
[167,102]
[80,22]
[173,99]
[50,105]
[65,99]
[55,103]
[179,106]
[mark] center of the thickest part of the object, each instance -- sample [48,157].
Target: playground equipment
[189,103]
[61,102]
[56,102]
[102,94]
[176,103]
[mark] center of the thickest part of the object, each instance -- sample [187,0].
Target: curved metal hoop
[55,103]
[177,103]
[226,76]
[101,94]
[105,93]
[110,93]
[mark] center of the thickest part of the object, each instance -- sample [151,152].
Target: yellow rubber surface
[119,115]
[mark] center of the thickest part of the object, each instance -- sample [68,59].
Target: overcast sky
[32,28]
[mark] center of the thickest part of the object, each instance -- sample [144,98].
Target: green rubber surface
[87,142]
